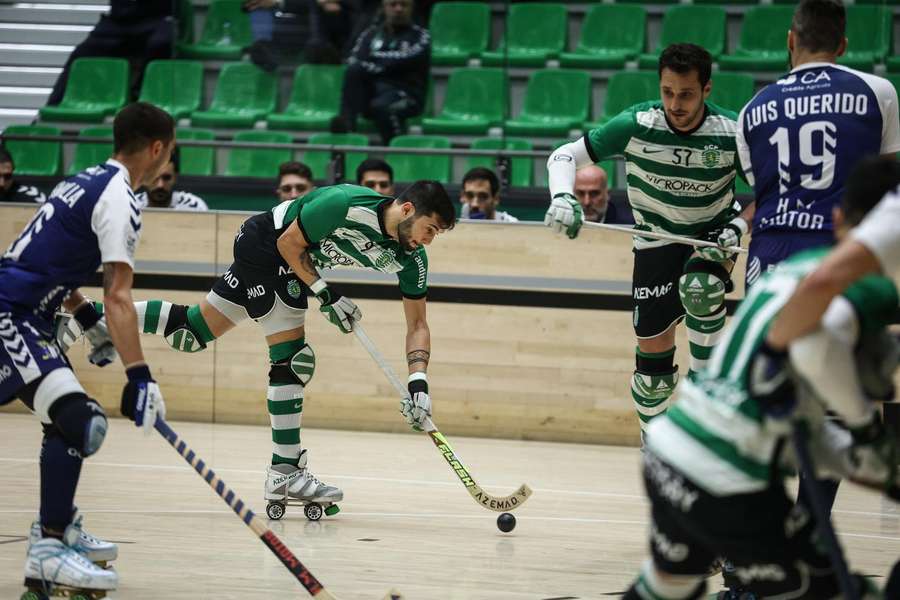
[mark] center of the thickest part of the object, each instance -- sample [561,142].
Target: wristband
[418,382]
[139,373]
[741,225]
[86,315]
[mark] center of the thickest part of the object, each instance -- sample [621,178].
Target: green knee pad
[703,286]
[298,356]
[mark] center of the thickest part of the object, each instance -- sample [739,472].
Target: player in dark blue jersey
[799,137]
[90,219]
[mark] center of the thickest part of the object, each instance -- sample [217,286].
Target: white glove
[727,236]
[102,350]
[340,310]
[565,215]
[66,331]
[87,320]
[417,406]
[142,400]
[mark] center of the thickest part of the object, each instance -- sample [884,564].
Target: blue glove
[142,401]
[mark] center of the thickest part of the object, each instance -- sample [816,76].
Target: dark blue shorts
[27,352]
[767,250]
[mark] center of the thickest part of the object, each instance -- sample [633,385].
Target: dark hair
[373,164]
[294,168]
[819,25]
[430,198]
[483,174]
[6,157]
[869,180]
[175,159]
[684,58]
[140,124]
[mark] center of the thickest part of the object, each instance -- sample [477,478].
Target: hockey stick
[287,558]
[820,512]
[495,503]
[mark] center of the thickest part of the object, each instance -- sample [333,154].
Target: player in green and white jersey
[276,256]
[715,464]
[680,159]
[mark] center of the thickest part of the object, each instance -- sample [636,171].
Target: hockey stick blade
[272,541]
[495,503]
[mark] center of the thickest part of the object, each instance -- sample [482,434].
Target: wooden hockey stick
[490,502]
[278,548]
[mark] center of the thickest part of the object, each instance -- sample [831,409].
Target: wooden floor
[406,521]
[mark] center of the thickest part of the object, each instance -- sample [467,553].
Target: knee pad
[299,367]
[80,421]
[702,287]
[655,375]
[180,334]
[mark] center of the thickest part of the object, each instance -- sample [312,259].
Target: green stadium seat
[521,169]
[610,35]
[88,155]
[731,90]
[244,95]
[869,36]
[96,89]
[535,32]
[318,160]
[459,31]
[196,160]
[626,89]
[175,86]
[226,32]
[34,158]
[315,99]
[701,25]
[763,42]
[645,2]
[556,101]
[476,99]
[258,162]
[365,125]
[412,167]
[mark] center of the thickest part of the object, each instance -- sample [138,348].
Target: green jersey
[715,433]
[344,227]
[681,183]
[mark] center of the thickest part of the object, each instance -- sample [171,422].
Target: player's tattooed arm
[306,263]
[418,336]
[418,357]
[294,249]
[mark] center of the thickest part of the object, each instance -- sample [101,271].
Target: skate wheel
[275,510]
[313,511]
[332,510]
[32,595]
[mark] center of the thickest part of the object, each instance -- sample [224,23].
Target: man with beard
[277,255]
[163,194]
[480,195]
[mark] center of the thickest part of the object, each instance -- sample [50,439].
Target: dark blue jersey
[799,138]
[91,217]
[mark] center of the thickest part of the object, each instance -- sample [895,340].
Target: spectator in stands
[387,73]
[376,174]
[139,31]
[10,190]
[592,191]
[480,196]
[163,193]
[295,179]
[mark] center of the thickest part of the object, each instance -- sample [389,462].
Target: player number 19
[818,157]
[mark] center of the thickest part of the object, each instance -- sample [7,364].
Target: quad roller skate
[289,485]
[57,569]
[97,551]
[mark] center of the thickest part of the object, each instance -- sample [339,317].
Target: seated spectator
[295,179]
[10,191]
[139,31]
[592,191]
[387,73]
[164,195]
[376,174]
[480,196]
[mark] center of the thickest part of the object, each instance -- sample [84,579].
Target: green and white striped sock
[285,404]
[703,335]
[153,316]
[652,384]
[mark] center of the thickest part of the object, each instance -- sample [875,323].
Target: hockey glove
[770,381]
[874,456]
[340,310]
[417,407]
[142,401]
[565,214]
[726,236]
[97,333]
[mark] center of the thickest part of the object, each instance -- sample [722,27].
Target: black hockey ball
[506,522]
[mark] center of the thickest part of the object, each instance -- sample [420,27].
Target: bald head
[592,191]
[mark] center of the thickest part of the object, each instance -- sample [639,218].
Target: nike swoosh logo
[647,150]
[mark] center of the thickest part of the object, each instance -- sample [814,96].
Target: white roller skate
[97,551]
[290,485]
[55,568]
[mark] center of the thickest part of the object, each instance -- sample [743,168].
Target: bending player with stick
[276,256]
[723,448]
[90,219]
[680,159]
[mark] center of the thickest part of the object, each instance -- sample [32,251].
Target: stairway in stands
[35,40]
